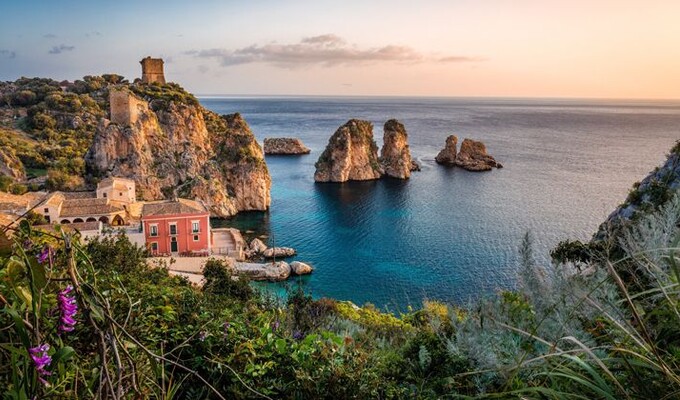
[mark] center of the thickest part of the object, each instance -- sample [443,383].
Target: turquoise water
[449,234]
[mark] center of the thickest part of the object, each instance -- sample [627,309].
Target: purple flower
[226,327]
[41,361]
[68,307]
[276,325]
[44,255]
[202,336]
[298,335]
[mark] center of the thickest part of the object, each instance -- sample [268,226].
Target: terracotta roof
[55,199]
[86,207]
[110,181]
[179,206]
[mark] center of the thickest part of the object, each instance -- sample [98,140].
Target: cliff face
[395,155]
[648,195]
[351,155]
[171,152]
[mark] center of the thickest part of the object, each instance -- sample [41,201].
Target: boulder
[351,155]
[285,146]
[273,272]
[473,157]
[300,268]
[257,246]
[448,154]
[279,252]
[395,155]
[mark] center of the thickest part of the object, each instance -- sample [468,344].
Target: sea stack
[472,155]
[284,146]
[395,155]
[351,155]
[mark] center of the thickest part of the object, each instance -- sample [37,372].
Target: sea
[447,234]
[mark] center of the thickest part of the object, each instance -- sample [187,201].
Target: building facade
[179,227]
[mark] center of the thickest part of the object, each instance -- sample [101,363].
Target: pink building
[176,227]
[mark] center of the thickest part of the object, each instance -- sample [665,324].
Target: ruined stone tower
[152,70]
[125,107]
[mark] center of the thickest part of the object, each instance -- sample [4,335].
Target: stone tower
[152,70]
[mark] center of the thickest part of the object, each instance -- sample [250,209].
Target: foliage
[219,280]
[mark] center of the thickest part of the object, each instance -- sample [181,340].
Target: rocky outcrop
[285,146]
[351,155]
[279,252]
[273,272]
[472,155]
[300,268]
[186,151]
[10,165]
[395,155]
[448,154]
[257,246]
[648,195]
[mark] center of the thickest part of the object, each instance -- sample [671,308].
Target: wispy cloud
[8,53]
[326,50]
[49,36]
[61,48]
[93,33]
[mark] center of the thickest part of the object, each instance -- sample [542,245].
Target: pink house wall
[185,235]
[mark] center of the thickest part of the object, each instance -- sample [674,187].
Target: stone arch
[77,220]
[65,221]
[118,221]
[91,219]
[104,219]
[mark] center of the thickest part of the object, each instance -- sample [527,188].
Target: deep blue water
[447,233]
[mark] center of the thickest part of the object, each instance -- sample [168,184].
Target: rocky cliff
[285,146]
[646,196]
[171,151]
[10,165]
[351,155]
[395,155]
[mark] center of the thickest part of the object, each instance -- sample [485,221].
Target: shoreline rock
[279,252]
[447,155]
[284,146]
[300,268]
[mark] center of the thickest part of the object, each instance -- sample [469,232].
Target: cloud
[8,53]
[457,59]
[93,33]
[326,50]
[49,35]
[61,48]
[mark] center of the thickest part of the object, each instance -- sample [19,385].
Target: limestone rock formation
[351,155]
[448,154]
[10,165]
[300,268]
[173,152]
[473,157]
[395,155]
[279,252]
[257,246]
[285,146]
[274,272]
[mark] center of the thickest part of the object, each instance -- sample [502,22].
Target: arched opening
[91,219]
[104,219]
[118,221]
[77,220]
[65,221]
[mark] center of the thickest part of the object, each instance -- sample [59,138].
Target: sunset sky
[576,48]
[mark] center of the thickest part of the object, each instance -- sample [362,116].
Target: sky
[496,48]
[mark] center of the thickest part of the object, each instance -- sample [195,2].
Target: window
[104,194]
[195,238]
[195,225]
[120,194]
[154,247]
[173,229]
[47,210]
[153,230]
[47,218]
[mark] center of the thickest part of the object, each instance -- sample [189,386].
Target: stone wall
[152,70]
[125,107]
